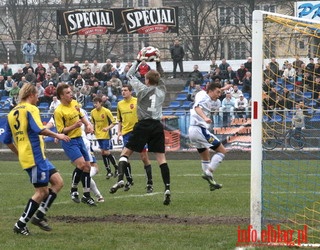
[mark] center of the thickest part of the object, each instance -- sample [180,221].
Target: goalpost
[285,182]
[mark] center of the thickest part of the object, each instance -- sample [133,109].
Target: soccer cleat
[109,175]
[100,199]
[88,200]
[149,188]
[212,184]
[42,223]
[75,197]
[21,230]
[116,186]
[167,196]
[128,186]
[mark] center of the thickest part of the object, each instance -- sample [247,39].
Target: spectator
[86,91]
[213,66]
[14,93]
[94,66]
[235,92]
[267,85]
[39,67]
[105,102]
[241,73]
[191,89]
[46,81]
[268,73]
[248,64]
[142,70]
[177,55]
[274,67]
[54,104]
[65,76]
[284,101]
[49,68]
[31,77]
[195,76]
[92,80]
[85,66]
[307,81]
[2,81]
[289,74]
[41,75]
[223,66]
[8,85]
[18,75]
[227,109]
[55,77]
[96,90]
[310,66]
[73,74]
[231,76]
[56,62]
[29,50]
[26,67]
[123,75]
[79,82]
[60,68]
[22,82]
[49,92]
[86,75]
[119,67]
[111,91]
[76,67]
[100,76]
[79,97]
[241,105]
[247,83]
[40,90]
[6,71]
[106,68]
[216,75]
[196,91]
[116,82]
[297,63]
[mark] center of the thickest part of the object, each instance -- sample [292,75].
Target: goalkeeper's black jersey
[150,98]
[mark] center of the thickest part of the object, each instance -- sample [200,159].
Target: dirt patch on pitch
[161,219]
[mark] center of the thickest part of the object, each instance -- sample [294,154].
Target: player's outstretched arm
[48,132]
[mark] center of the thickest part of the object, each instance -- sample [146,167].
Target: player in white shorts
[202,138]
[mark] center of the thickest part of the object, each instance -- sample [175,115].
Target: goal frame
[257,115]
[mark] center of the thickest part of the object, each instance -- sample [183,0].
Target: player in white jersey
[202,138]
[149,129]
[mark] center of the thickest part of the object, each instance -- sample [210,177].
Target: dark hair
[97,99]
[60,89]
[213,86]
[127,86]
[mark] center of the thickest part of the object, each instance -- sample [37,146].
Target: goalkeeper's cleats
[212,184]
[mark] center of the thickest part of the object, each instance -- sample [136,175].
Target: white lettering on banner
[86,19]
[1,131]
[139,18]
[308,10]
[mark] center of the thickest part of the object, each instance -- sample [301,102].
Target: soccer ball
[149,54]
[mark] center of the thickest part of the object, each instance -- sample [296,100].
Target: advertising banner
[117,21]
[308,10]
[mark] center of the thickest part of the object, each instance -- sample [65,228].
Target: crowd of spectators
[87,81]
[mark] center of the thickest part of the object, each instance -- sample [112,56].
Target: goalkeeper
[149,129]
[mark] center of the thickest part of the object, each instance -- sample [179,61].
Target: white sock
[205,165]
[94,188]
[215,161]
[93,171]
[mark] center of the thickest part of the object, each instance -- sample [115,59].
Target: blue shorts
[125,139]
[105,144]
[75,149]
[40,174]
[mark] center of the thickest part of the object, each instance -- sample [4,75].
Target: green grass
[191,199]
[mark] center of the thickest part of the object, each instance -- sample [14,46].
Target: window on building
[143,40]
[237,50]
[143,3]
[128,47]
[232,16]
[127,3]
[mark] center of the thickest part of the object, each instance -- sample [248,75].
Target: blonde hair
[27,90]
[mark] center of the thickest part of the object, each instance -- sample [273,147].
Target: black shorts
[147,132]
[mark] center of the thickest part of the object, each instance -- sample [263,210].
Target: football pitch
[196,218]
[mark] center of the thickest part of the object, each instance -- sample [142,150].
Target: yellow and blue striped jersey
[23,128]
[100,119]
[67,115]
[127,114]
